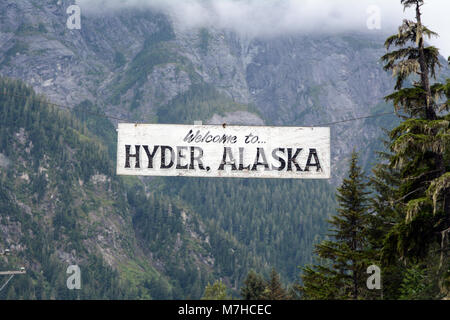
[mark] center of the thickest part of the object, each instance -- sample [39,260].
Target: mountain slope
[134,64]
[61,204]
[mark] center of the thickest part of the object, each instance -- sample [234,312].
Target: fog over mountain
[276,17]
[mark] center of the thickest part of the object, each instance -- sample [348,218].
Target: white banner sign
[223,151]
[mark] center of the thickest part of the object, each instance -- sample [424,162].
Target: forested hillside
[48,190]
[61,205]
[167,238]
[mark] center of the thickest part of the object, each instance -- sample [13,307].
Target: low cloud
[261,18]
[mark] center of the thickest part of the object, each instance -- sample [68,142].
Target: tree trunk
[430,114]
[424,71]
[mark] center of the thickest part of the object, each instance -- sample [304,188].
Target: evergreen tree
[318,284]
[418,149]
[345,257]
[414,284]
[216,291]
[274,289]
[387,212]
[254,286]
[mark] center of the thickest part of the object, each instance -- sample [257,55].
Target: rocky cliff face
[133,63]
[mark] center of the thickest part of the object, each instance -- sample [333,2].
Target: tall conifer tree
[274,289]
[342,273]
[254,286]
[418,202]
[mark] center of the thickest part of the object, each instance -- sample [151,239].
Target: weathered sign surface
[223,151]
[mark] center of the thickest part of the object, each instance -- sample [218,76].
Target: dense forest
[52,202]
[43,156]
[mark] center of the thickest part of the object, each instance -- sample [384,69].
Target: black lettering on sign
[128,155]
[197,158]
[260,153]
[313,153]
[199,137]
[189,137]
[208,137]
[241,160]
[150,155]
[165,165]
[180,157]
[279,159]
[227,154]
[293,159]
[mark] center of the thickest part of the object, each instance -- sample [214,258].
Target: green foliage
[345,257]
[413,284]
[274,289]
[216,291]
[412,207]
[257,288]
[254,286]
[419,145]
[276,221]
[156,220]
[159,224]
[49,131]
[200,102]
[54,151]
[98,124]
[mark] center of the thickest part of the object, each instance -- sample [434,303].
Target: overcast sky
[273,17]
